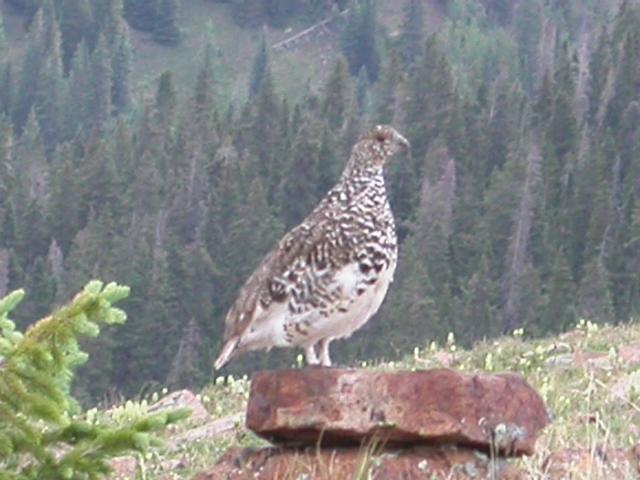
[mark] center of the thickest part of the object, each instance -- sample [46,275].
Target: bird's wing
[266,287]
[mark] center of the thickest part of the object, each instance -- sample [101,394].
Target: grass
[586,411]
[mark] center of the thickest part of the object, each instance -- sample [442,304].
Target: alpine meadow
[168,145]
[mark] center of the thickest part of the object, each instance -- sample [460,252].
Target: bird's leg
[323,352]
[310,355]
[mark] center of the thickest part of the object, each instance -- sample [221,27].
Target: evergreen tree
[121,68]
[32,62]
[337,96]
[527,22]
[411,38]
[75,23]
[259,67]
[599,65]
[428,97]
[3,38]
[166,30]
[48,102]
[165,99]
[203,99]
[302,182]
[594,301]
[386,100]
[6,89]
[142,14]
[42,434]
[359,40]
[265,128]
[99,107]
[77,103]
[559,306]
[64,211]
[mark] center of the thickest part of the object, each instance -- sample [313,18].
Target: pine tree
[359,40]
[64,204]
[6,89]
[165,102]
[559,310]
[599,65]
[75,22]
[428,98]
[302,181]
[32,62]
[42,435]
[186,368]
[527,22]
[166,30]
[3,38]
[362,92]
[203,99]
[142,14]
[99,107]
[121,68]
[337,96]
[411,38]
[386,99]
[627,76]
[259,67]
[265,128]
[77,103]
[49,94]
[594,301]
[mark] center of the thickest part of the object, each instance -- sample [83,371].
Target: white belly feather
[267,331]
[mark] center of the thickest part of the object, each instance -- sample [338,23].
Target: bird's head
[381,143]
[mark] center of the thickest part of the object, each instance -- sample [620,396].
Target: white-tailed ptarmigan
[328,275]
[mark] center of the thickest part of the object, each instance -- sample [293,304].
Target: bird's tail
[227,353]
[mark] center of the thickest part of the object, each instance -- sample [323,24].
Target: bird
[329,275]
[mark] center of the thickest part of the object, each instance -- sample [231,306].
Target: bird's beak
[403,142]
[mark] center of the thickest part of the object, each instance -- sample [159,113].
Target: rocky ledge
[346,407]
[439,423]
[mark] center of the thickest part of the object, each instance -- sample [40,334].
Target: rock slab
[338,407]
[415,463]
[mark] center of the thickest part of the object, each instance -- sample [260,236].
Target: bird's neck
[362,173]
[359,183]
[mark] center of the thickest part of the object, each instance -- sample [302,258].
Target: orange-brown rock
[329,464]
[343,406]
[579,463]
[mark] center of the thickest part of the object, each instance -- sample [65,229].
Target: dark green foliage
[75,25]
[411,37]
[517,207]
[259,67]
[359,39]
[166,30]
[41,435]
[142,14]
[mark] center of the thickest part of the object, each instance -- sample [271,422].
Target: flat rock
[337,407]
[449,463]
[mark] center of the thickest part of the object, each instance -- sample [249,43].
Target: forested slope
[518,207]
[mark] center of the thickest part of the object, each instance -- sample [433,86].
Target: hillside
[587,377]
[167,146]
[203,22]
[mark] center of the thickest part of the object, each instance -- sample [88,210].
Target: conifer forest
[518,206]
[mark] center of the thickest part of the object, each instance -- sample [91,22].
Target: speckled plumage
[328,275]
